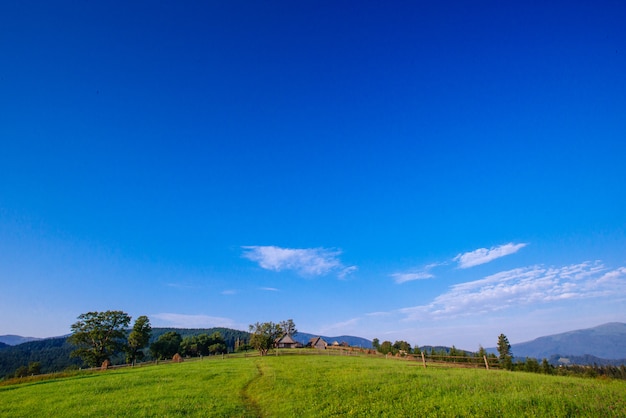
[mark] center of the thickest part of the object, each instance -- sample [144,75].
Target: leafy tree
[385,347]
[21,371]
[203,345]
[546,368]
[454,353]
[288,327]
[217,348]
[34,368]
[376,343]
[531,365]
[166,346]
[99,335]
[481,351]
[402,346]
[138,338]
[504,351]
[263,336]
[216,344]
[189,346]
[242,347]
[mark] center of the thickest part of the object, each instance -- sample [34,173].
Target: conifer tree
[504,351]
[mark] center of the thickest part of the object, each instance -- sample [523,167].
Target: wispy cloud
[485,255]
[379,314]
[407,277]
[229,292]
[270,289]
[194,321]
[346,271]
[340,326]
[422,274]
[524,286]
[305,261]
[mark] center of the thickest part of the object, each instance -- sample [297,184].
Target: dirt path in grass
[252,407]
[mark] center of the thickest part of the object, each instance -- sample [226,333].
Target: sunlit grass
[201,388]
[351,386]
[307,386]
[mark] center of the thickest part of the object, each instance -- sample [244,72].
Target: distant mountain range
[604,342]
[16,339]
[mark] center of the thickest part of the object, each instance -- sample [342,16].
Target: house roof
[286,339]
[314,341]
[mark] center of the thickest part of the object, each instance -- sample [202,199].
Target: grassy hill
[311,385]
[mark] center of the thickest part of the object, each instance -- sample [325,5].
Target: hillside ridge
[606,341]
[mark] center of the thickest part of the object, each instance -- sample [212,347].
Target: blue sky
[437,172]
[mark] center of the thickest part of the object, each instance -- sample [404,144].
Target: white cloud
[424,274]
[407,277]
[194,321]
[305,261]
[485,255]
[229,292]
[348,270]
[270,289]
[380,314]
[523,286]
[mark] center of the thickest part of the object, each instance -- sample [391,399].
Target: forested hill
[16,339]
[53,354]
[606,341]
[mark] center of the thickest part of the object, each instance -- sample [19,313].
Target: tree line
[99,336]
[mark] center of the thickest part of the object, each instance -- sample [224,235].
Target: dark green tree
[21,371]
[263,336]
[546,367]
[531,365]
[189,346]
[216,344]
[376,343]
[504,350]
[402,346]
[166,346]
[481,351]
[203,345]
[138,338]
[34,368]
[99,335]
[386,347]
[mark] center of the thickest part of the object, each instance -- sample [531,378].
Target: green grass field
[313,385]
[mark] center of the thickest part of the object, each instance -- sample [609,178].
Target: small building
[317,342]
[286,342]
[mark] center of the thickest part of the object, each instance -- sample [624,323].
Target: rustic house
[286,342]
[317,342]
